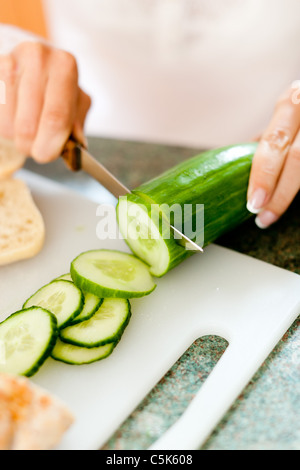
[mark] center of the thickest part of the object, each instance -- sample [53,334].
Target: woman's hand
[275,174]
[44,103]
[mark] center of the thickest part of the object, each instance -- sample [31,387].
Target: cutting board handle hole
[176,390]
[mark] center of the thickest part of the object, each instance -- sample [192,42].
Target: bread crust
[22,229]
[10,159]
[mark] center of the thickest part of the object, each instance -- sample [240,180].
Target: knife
[77,158]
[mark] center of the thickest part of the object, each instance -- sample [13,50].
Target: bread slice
[22,229]
[33,419]
[10,159]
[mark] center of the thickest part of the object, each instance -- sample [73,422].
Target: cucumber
[106,325]
[91,303]
[76,355]
[64,277]
[62,298]
[90,307]
[27,338]
[217,178]
[109,274]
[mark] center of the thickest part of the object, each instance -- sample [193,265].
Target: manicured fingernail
[257,201]
[265,219]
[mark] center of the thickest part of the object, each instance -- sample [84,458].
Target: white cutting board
[248,302]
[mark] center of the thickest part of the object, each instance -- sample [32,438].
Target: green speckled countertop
[267,413]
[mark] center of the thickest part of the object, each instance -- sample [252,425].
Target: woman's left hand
[275,175]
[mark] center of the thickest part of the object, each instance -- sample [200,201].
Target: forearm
[10,37]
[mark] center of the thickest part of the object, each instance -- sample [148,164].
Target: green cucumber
[76,355]
[90,307]
[62,298]
[218,179]
[106,325]
[27,338]
[91,303]
[64,277]
[108,274]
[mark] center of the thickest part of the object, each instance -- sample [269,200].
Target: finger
[272,152]
[59,108]
[84,104]
[286,190]
[30,96]
[9,76]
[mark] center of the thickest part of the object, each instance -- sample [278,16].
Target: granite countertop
[266,414]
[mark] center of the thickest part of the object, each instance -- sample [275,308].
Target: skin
[275,174]
[45,105]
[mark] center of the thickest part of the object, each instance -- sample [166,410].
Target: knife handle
[72,154]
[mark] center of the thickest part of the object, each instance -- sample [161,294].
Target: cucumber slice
[64,277]
[76,355]
[148,243]
[91,303]
[217,178]
[26,340]
[106,326]
[62,298]
[108,274]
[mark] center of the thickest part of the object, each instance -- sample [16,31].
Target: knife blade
[77,158]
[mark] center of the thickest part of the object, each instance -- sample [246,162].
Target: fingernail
[265,219]
[257,201]
[79,135]
[83,140]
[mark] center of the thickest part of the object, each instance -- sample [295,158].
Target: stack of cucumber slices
[78,318]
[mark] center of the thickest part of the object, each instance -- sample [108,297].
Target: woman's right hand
[44,103]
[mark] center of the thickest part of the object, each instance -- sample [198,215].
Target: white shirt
[187,72]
